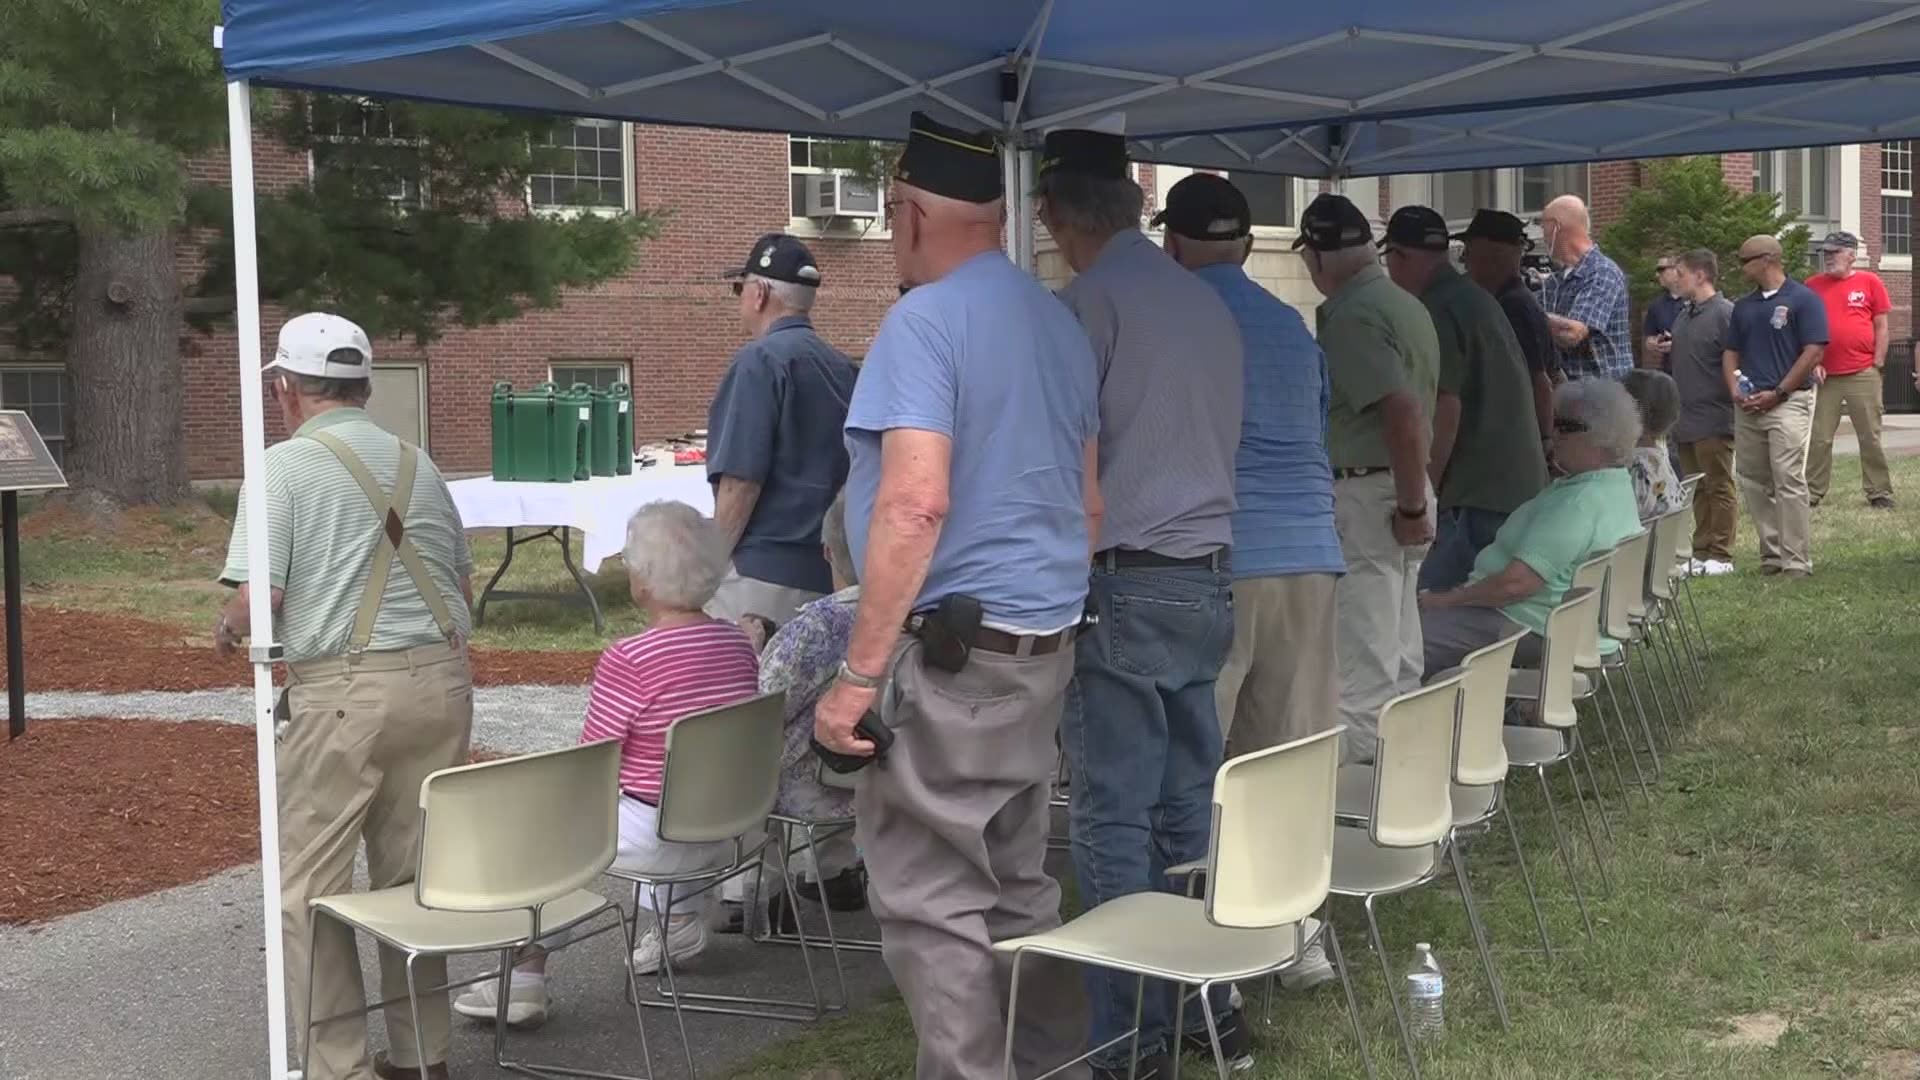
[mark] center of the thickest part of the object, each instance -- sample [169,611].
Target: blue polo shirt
[1283,520]
[1769,331]
[989,358]
[776,421]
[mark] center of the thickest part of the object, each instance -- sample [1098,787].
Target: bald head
[1568,212]
[1568,229]
[932,233]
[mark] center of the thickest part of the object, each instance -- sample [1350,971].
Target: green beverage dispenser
[622,396]
[503,431]
[575,417]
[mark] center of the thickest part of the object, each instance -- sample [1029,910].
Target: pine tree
[1688,204]
[416,218]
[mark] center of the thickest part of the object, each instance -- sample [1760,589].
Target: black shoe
[845,891]
[733,918]
[1235,1044]
[1152,1067]
[1881,502]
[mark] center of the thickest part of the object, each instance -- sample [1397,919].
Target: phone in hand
[870,728]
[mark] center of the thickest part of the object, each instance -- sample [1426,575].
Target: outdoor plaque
[25,465]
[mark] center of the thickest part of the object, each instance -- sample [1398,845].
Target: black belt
[1355,474]
[999,641]
[1114,558]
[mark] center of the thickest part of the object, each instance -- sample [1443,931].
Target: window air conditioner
[836,195]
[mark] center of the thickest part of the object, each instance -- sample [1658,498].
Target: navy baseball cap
[1497,226]
[1332,222]
[1416,228]
[1206,207]
[778,257]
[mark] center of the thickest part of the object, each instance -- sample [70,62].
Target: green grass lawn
[1765,915]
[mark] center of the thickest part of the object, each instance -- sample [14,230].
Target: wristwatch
[853,678]
[1410,515]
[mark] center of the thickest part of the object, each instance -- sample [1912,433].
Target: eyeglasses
[1564,426]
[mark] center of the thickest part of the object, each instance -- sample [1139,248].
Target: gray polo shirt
[1699,337]
[1170,360]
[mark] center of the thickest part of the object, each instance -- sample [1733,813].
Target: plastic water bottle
[1745,384]
[1426,993]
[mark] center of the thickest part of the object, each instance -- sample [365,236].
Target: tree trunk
[123,362]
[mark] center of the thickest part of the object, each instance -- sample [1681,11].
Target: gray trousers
[953,827]
[1450,633]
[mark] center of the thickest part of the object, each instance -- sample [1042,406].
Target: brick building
[669,325]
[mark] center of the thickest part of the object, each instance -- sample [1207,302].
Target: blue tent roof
[1365,87]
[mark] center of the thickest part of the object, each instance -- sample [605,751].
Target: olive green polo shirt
[1496,463]
[1378,339]
[321,533]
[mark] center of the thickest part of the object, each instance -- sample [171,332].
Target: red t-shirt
[1852,302]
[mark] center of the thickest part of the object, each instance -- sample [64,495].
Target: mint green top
[321,533]
[1573,520]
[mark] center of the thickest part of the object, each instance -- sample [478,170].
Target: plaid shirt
[1593,292]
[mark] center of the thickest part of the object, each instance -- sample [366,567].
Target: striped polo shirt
[645,684]
[321,534]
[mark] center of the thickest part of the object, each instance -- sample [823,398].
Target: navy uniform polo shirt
[1769,331]
[777,421]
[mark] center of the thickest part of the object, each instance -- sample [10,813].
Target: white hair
[676,554]
[1607,411]
[791,295]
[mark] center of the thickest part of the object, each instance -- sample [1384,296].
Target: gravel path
[507,719]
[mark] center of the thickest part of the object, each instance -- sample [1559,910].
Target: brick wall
[670,318]
[1873,235]
[1607,185]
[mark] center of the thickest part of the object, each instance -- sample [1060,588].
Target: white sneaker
[1313,969]
[1716,568]
[1234,1000]
[526,1001]
[686,939]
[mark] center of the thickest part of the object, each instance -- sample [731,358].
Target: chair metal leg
[1639,706]
[1668,723]
[1526,876]
[1599,803]
[1626,733]
[1139,1009]
[1179,1028]
[1669,629]
[1346,985]
[306,1022]
[660,915]
[1013,1009]
[1613,753]
[413,1010]
[1694,668]
[1649,672]
[1393,997]
[731,1004]
[1213,1034]
[1480,942]
[1706,650]
[1586,825]
[1566,855]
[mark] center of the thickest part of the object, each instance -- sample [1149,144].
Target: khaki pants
[1376,610]
[1859,395]
[954,826]
[1770,459]
[742,596]
[364,732]
[1716,507]
[1279,682]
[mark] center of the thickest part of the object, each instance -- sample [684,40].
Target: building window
[1804,180]
[590,162]
[1541,184]
[1456,195]
[399,401]
[1896,197]
[825,181]
[382,146]
[599,374]
[41,393]
[1270,196]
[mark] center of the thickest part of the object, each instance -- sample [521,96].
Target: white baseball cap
[306,342]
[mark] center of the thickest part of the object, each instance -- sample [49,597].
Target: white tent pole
[253,433]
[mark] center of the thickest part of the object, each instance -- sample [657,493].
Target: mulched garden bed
[98,810]
[87,650]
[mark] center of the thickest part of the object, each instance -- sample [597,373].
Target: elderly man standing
[1485,460]
[378,685]
[1587,299]
[972,481]
[1704,432]
[1492,248]
[1383,365]
[1857,319]
[1141,733]
[775,454]
[1279,681]
[1775,339]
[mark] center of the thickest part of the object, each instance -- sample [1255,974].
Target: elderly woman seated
[1528,568]
[1655,487]
[683,663]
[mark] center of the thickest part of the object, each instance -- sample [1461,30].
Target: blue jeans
[1459,534]
[1142,737]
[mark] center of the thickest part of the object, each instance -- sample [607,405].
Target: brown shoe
[387,1070]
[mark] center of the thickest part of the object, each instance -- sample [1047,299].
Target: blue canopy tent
[1316,90]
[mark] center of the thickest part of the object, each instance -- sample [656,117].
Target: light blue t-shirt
[1283,523]
[989,358]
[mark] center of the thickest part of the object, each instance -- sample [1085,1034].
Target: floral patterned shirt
[1655,487]
[802,659]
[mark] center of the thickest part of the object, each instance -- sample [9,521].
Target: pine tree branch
[33,216]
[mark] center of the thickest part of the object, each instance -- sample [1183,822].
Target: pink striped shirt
[645,683]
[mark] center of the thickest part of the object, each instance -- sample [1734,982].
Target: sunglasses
[1564,426]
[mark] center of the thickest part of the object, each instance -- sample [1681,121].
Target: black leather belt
[999,641]
[1114,558]
[1355,474]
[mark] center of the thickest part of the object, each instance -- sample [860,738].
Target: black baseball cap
[1840,240]
[778,257]
[1416,228]
[1331,222]
[1497,226]
[1206,207]
[1081,150]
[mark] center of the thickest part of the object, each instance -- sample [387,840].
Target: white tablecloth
[598,508]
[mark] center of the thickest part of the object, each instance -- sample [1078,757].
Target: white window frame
[419,370]
[625,366]
[1300,193]
[880,228]
[1782,160]
[1888,261]
[66,401]
[628,202]
[1424,188]
[418,197]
